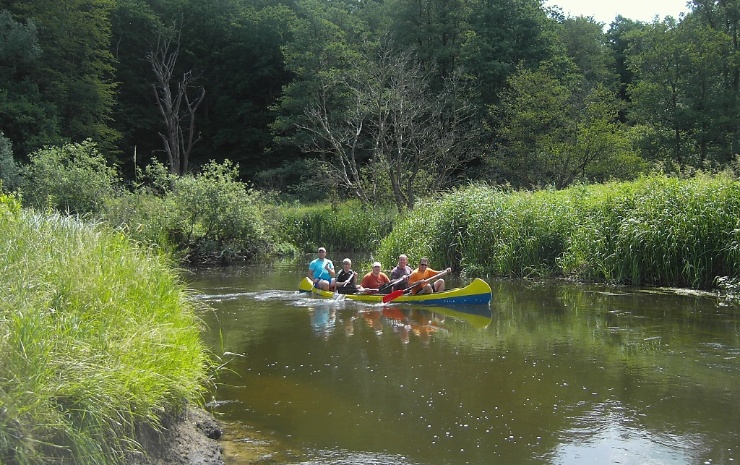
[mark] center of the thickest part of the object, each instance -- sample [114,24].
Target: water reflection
[421,321]
[547,374]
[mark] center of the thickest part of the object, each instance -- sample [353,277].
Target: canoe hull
[476,293]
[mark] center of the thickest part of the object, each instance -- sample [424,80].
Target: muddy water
[547,374]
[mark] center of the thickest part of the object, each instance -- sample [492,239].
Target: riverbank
[191,440]
[99,341]
[198,438]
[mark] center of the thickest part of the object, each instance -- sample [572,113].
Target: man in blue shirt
[321,270]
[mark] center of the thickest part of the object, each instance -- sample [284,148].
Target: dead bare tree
[174,103]
[392,126]
[338,137]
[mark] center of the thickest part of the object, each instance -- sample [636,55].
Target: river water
[549,373]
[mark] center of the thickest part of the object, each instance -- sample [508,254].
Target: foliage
[97,340]
[654,231]
[25,115]
[504,35]
[300,179]
[217,213]
[205,216]
[557,134]
[10,173]
[347,226]
[74,74]
[73,178]
[681,92]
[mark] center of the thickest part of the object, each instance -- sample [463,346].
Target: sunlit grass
[96,339]
[346,226]
[654,231]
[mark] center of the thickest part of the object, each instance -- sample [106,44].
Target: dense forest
[375,100]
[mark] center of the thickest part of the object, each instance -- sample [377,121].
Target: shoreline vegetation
[100,338]
[99,341]
[656,231]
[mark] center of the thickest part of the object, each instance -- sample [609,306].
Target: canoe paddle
[351,275]
[389,285]
[400,292]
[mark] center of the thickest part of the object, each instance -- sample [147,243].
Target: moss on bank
[97,339]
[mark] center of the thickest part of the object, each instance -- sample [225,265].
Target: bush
[73,178]
[216,214]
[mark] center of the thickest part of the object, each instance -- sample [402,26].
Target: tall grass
[485,231]
[346,226]
[654,231]
[659,231]
[97,339]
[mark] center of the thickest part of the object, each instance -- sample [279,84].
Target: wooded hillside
[374,99]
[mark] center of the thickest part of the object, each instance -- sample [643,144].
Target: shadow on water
[548,373]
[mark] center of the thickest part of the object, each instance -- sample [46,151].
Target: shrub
[217,214]
[73,178]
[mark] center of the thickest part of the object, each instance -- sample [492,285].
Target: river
[549,373]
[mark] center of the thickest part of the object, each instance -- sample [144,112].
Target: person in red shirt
[424,272]
[374,279]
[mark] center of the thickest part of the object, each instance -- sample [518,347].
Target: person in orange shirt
[374,279]
[424,272]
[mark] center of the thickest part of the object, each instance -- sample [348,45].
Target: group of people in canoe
[418,281]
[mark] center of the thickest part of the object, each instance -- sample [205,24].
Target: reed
[660,231]
[97,339]
[481,230]
[655,231]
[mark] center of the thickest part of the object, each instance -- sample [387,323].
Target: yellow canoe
[476,293]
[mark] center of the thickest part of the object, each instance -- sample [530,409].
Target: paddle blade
[392,296]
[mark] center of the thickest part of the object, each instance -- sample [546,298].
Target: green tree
[724,17]
[434,30]
[133,28]
[326,42]
[678,91]
[25,116]
[586,45]
[75,72]
[618,39]
[245,73]
[502,35]
[554,134]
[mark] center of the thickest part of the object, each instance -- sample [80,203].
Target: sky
[604,11]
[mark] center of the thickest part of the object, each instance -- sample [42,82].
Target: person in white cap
[374,279]
[345,279]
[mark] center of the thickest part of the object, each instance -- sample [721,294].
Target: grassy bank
[655,231]
[97,339]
